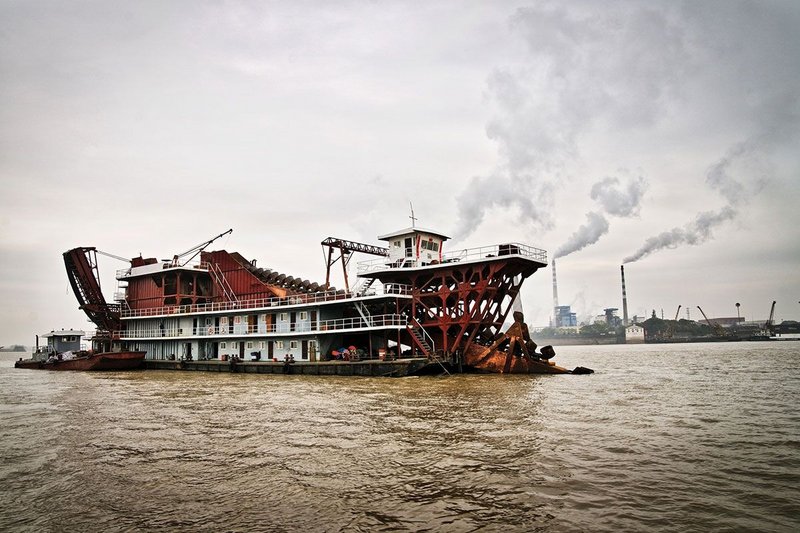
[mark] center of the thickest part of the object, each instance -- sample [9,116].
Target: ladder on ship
[222,283]
[363,285]
[425,342]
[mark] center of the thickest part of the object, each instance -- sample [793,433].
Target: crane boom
[194,250]
[112,256]
[717,328]
[351,246]
[81,265]
[768,326]
[346,248]
[676,313]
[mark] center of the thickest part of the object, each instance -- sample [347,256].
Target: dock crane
[717,328]
[769,327]
[670,329]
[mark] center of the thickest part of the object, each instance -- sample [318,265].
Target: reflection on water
[675,438]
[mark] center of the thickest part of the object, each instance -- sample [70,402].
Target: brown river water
[691,437]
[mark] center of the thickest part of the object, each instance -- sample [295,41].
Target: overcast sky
[663,134]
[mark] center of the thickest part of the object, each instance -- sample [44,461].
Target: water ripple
[661,438]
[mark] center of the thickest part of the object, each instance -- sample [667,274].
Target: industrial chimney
[624,298]
[555,296]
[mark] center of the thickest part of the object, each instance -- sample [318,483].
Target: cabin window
[279,345]
[261,345]
[249,345]
[209,321]
[234,345]
[429,245]
[293,345]
[284,317]
[303,315]
[223,345]
[397,244]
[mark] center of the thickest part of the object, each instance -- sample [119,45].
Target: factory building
[564,317]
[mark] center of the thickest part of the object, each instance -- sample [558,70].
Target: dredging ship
[413,309]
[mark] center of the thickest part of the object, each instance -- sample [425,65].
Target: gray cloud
[583,68]
[617,200]
[625,68]
[505,191]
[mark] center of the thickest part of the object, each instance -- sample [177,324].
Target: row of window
[425,245]
[279,345]
[282,317]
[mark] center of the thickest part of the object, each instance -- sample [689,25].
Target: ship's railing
[482,253]
[393,289]
[320,326]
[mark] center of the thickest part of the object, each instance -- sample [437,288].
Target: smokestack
[555,296]
[624,298]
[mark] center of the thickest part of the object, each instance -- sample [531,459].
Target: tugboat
[63,353]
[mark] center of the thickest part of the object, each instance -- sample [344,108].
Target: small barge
[413,309]
[85,361]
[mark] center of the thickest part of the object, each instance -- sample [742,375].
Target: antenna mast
[412,217]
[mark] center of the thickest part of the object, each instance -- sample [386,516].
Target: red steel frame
[460,304]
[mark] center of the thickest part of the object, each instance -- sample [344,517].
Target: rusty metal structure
[411,301]
[457,304]
[513,352]
[81,265]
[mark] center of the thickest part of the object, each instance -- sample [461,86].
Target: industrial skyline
[662,135]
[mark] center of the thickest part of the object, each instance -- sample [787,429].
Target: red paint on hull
[98,361]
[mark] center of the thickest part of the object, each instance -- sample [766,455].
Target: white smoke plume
[686,76]
[596,226]
[582,69]
[744,158]
[695,232]
[617,200]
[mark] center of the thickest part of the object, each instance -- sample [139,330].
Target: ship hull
[100,361]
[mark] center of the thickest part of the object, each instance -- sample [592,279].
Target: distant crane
[670,329]
[717,328]
[769,327]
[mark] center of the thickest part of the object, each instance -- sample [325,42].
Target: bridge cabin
[414,246]
[64,341]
